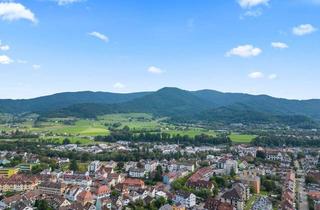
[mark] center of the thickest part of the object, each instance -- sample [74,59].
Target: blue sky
[253,46]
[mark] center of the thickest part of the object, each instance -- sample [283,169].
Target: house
[252,181]
[137,172]
[288,192]
[51,188]
[185,198]
[225,166]
[170,207]
[71,192]
[200,184]
[237,196]
[57,201]
[214,204]
[100,191]
[202,174]
[30,197]
[77,179]
[133,184]
[160,194]
[8,172]
[150,166]
[85,197]
[274,155]
[174,166]
[94,166]
[170,177]
[18,182]
[129,164]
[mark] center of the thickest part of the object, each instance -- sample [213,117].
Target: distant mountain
[181,105]
[239,113]
[62,100]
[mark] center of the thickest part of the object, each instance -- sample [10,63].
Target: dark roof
[183,194]
[232,195]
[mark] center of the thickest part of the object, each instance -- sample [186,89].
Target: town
[237,177]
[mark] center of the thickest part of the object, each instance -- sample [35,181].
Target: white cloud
[253,13]
[256,75]
[36,66]
[4,47]
[244,51]
[11,11]
[272,76]
[5,59]
[66,2]
[119,85]
[99,36]
[155,70]
[303,29]
[279,45]
[22,61]
[246,4]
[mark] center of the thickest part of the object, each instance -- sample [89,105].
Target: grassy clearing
[250,202]
[136,121]
[192,132]
[73,140]
[241,138]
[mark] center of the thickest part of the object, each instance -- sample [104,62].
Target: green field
[241,138]
[83,130]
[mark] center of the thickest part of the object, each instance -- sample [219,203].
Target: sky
[252,46]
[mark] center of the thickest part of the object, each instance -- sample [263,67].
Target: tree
[73,165]
[66,141]
[160,202]
[140,165]
[261,154]
[42,205]
[232,172]
[158,174]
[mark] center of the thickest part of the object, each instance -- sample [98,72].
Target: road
[302,194]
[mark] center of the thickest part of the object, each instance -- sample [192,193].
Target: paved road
[302,195]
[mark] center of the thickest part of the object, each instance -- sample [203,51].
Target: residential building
[8,172]
[52,188]
[185,198]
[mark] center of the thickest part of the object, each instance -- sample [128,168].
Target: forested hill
[202,105]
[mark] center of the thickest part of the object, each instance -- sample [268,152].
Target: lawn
[137,121]
[250,202]
[192,132]
[241,138]
[73,140]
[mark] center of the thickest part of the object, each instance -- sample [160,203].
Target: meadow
[83,130]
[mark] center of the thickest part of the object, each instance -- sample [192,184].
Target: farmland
[83,130]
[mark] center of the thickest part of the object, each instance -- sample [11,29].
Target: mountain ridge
[179,104]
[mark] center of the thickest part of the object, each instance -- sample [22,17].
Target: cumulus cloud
[279,45]
[246,4]
[256,75]
[155,70]
[4,47]
[119,85]
[5,59]
[303,29]
[11,11]
[36,66]
[244,51]
[100,36]
[272,76]
[66,2]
